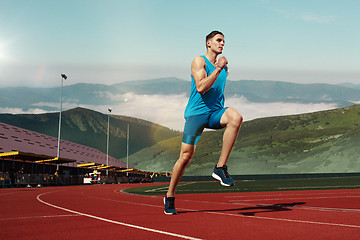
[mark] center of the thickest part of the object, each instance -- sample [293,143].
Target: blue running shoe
[169,203]
[223,176]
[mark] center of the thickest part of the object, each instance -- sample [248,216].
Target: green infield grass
[253,186]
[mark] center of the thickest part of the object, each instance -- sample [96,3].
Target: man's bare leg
[232,119]
[186,154]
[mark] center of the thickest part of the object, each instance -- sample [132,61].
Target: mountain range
[98,94]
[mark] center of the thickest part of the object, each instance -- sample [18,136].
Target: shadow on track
[251,211]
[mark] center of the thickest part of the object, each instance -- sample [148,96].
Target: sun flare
[3,50]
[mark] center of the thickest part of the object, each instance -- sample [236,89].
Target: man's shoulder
[199,60]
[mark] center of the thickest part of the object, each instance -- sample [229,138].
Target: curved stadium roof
[18,139]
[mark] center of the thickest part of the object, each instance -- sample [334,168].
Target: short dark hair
[212,34]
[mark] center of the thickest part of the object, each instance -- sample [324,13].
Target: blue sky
[108,41]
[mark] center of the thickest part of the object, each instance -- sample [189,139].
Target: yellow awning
[55,160]
[7,154]
[106,167]
[88,165]
[38,158]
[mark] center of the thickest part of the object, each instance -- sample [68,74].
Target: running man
[205,109]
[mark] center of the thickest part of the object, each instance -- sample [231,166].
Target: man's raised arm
[204,83]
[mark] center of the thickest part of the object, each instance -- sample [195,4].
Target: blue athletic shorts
[194,125]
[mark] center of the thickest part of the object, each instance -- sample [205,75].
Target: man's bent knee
[185,159]
[187,152]
[235,118]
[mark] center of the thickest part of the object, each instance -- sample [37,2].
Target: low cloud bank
[168,110]
[22,111]
[251,110]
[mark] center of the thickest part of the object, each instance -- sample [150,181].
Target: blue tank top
[210,101]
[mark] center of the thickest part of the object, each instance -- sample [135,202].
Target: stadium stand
[14,139]
[28,158]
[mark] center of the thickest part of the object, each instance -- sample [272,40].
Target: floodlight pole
[107,142]
[127,150]
[63,77]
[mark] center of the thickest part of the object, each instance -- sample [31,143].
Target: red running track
[104,212]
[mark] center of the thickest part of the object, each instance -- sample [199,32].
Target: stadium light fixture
[63,77]
[107,141]
[127,148]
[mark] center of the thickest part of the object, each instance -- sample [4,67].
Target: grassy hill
[89,128]
[321,142]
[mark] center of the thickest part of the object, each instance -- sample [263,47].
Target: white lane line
[30,217]
[335,187]
[166,187]
[309,222]
[331,209]
[276,219]
[8,193]
[312,208]
[244,203]
[246,195]
[115,222]
[289,198]
[238,215]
